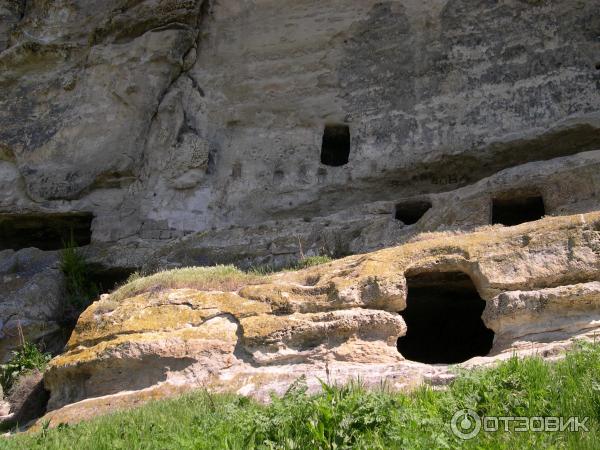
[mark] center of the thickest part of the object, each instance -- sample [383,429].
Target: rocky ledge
[500,291]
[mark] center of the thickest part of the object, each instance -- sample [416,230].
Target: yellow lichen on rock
[341,319]
[165,310]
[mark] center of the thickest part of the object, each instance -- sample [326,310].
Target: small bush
[27,359]
[80,289]
[311,261]
[334,245]
[337,418]
[302,263]
[133,277]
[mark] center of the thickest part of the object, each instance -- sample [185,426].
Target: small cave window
[511,211]
[335,150]
[44,231]
[411,212]
[443,320]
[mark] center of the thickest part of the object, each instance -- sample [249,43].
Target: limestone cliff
[168,133]
[165,118]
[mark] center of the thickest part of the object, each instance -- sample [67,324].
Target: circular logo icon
[465,424]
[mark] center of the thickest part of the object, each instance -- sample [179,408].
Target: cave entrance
[443,320]
[44,231]
[410,212]
[335,149]
[511,211]
[109,279]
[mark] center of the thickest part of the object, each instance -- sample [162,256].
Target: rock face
[168,133]
[336,321]
[192,117]
[32,297]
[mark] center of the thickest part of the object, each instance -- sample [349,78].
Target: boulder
[337,322]
[32,299]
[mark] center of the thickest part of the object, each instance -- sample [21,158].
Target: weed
[303,263]
[220,277]
[79,287]
[311,261]
[26,359]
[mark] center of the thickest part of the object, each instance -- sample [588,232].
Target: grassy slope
[351,417]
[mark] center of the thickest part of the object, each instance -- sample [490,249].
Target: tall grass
[302,263]
[353,417]
[80,289]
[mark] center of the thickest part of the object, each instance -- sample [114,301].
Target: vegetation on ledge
[215,278]
[353,417]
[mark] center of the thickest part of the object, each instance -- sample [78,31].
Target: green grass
[220,277]
[303,263]
[311,261]
[352,417]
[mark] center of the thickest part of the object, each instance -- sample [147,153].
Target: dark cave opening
[109,279]
[44,231]
[411,212]
[443,320]
[335,149]
[511,211]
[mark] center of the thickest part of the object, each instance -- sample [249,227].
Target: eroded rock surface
[193,132]
[193,117]
[32,298]
[338,321]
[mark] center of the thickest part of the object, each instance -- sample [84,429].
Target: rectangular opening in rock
[410,212]
[511,211]
[44,231]
[335,149]
[443,319]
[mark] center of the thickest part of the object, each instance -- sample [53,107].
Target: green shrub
[79,287]
[310,261]
[337,418]
[26,359]
[302,263]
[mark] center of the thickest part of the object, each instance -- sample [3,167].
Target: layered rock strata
[337,322]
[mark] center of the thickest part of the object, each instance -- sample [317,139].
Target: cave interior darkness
[335,147]
[510,211]
[443,319]
[51,231]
